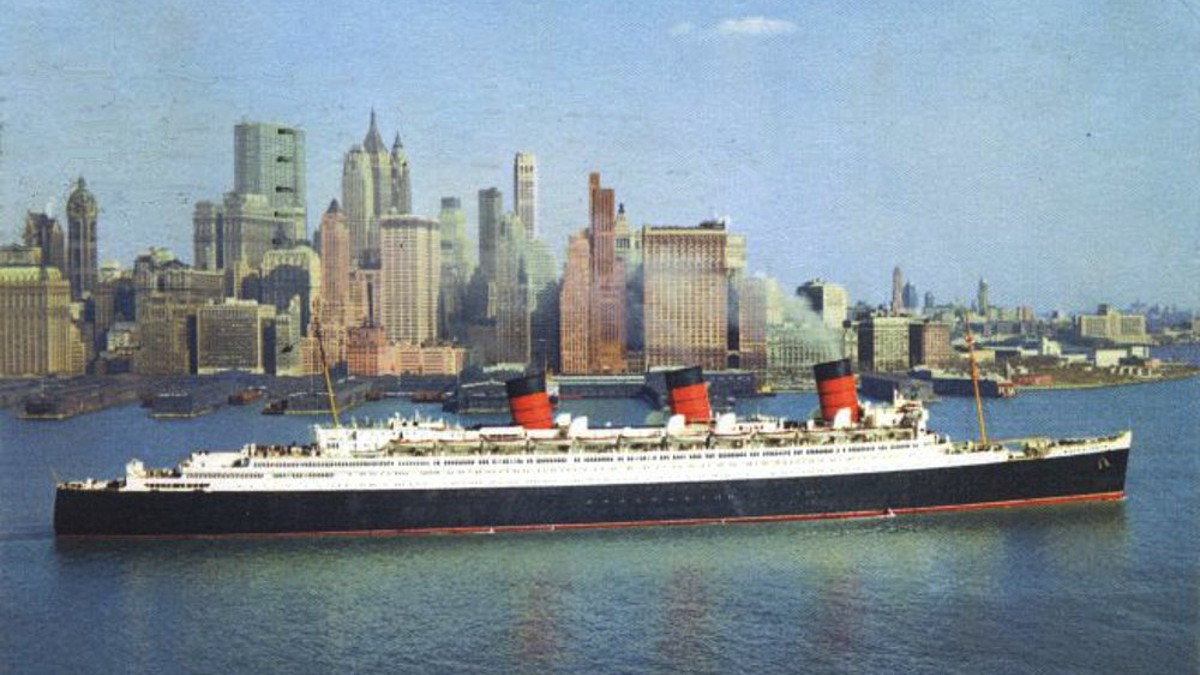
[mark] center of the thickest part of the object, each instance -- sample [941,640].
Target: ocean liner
[413,475]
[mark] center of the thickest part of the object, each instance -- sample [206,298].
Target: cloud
[755,25]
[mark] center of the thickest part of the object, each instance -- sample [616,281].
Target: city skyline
[840,141]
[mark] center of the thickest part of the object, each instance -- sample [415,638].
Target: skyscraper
[265,207]
[897,292]
[400,180]
[981,300]
[375,183]
[607,317]
[335,270]
[457,266]
[508,298]
[358,201]
[597,306]
[82,259]
[269,160]
[573,306]
[208,236]
[491,212]
[540,272]
[686,296]
[911,301]
[525,191]
[44,233]
[410,275]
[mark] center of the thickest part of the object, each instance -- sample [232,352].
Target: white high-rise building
[375,183]
[525,191]
[409,277]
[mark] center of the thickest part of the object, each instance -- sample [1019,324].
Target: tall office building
[508,299]
[269,160]
[37,334]
[883,344]
[410,276]
[265,209]
[335,270]
[82,258]
[981,300]
[573,306]
[375,183]
[686,296]
[607,318]
[929,344]
[540,274]
[208,236]
[601,309]
[358,200]
[400,180]
[509,294]
[897,292]
[911,301]
[458,264]
[491,212]
[826,299]
[44,233]
[525,191]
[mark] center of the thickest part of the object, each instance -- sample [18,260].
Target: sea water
[1094,587]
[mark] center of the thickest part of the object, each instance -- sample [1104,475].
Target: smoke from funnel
[825,340]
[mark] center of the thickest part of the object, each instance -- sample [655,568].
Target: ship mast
[316,322]
[970,339]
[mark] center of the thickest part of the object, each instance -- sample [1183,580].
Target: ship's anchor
[1102,463]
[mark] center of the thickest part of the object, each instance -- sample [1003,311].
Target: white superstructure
[418,454]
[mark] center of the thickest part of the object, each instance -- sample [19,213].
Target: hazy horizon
[1053,150]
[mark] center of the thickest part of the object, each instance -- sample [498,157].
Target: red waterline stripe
[612,525]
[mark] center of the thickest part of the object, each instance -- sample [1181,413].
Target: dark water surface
[1103,588]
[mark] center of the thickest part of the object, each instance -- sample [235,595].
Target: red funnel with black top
[687,394]
[529,402]
[836,388]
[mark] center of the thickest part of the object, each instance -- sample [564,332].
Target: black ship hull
[113,512]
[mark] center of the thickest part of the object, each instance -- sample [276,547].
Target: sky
[1052,148]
